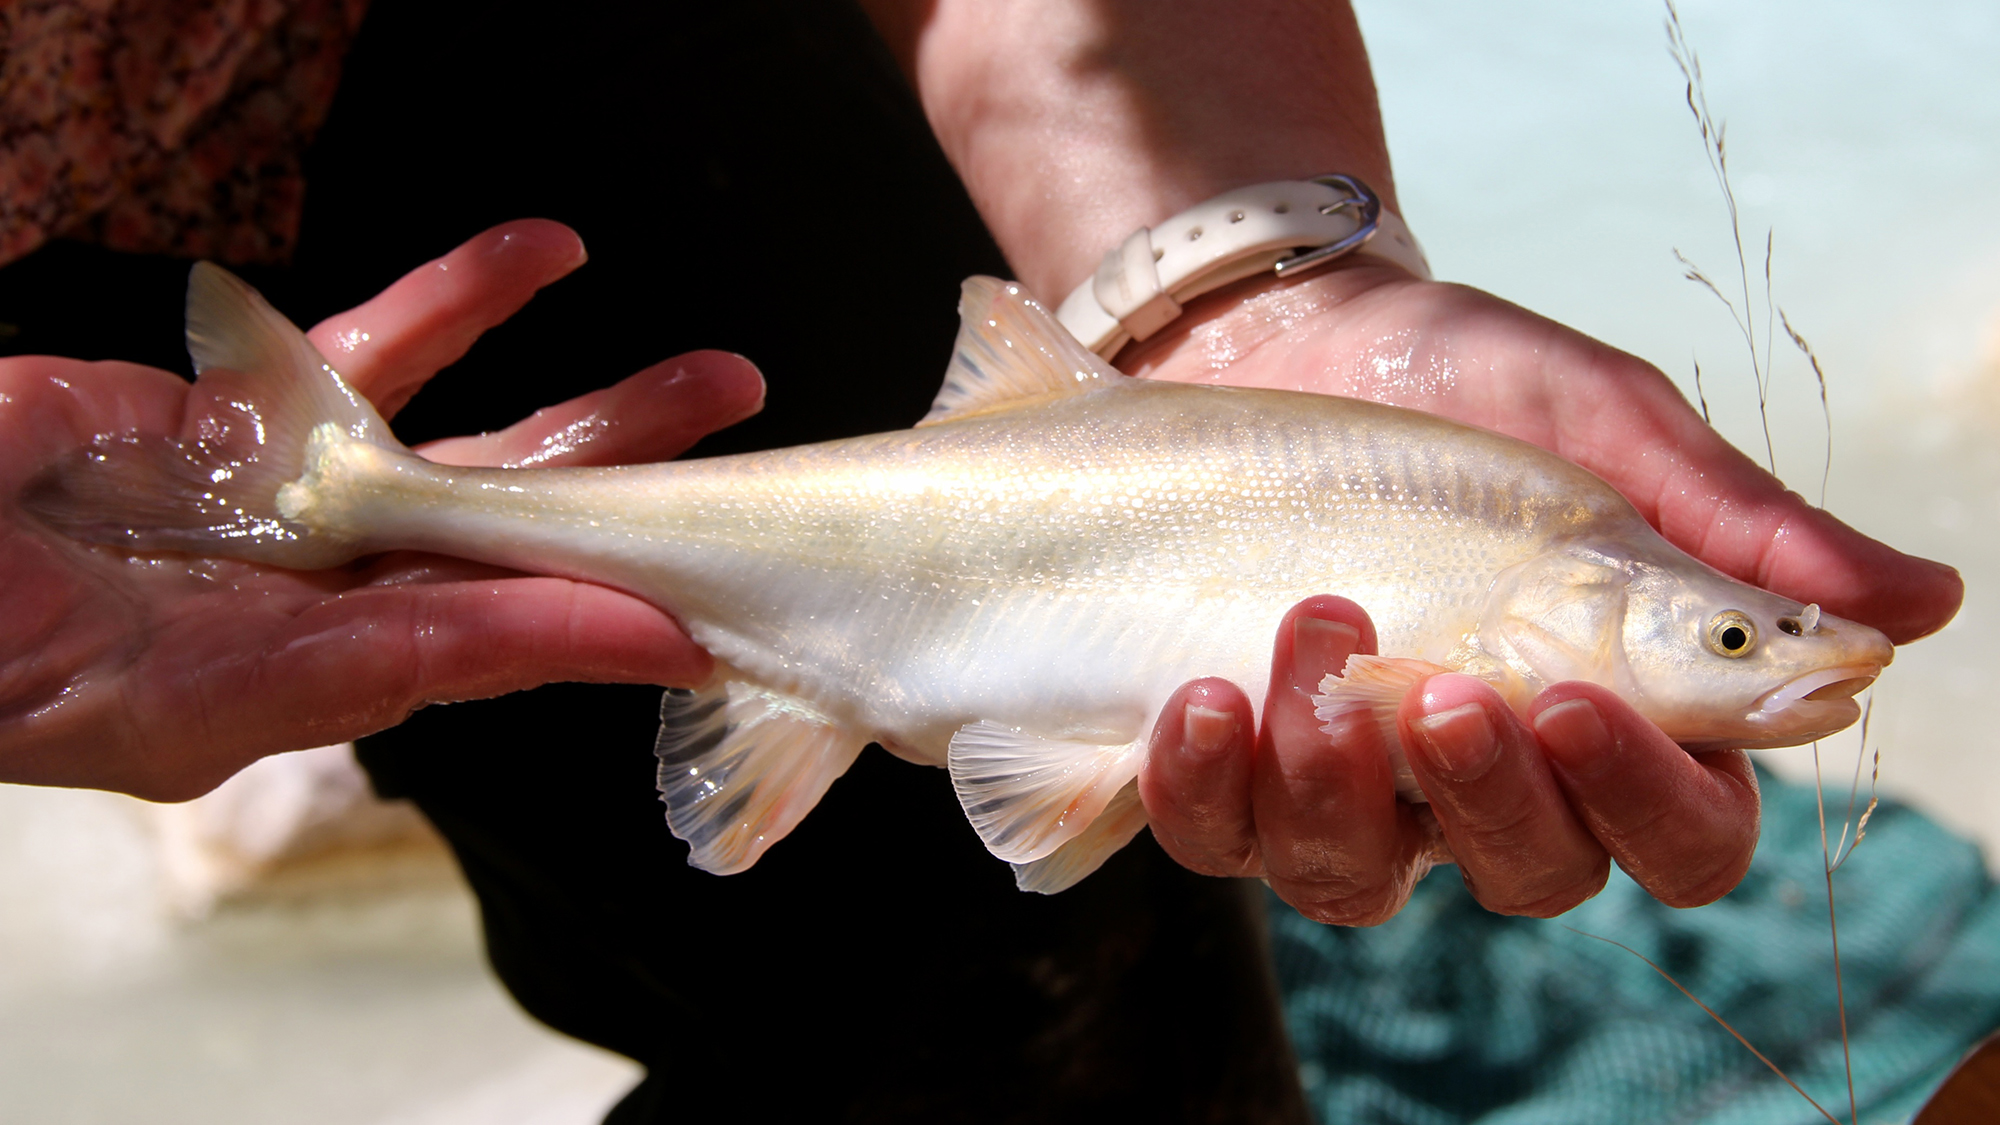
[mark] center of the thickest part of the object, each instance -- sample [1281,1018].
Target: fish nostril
[1841,689]
[1804,625]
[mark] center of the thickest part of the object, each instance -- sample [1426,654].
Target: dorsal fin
[1009,351]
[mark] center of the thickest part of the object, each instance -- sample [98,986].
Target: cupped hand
[1373,332]
[1530,809]
[162,676]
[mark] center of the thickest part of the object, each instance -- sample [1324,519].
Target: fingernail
[1207,731]
[1320,647]
[1576,736]
[1459,743]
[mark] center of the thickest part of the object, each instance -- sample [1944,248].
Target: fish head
[1712,661]
[1721,663]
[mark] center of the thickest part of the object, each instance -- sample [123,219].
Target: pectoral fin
[740,766]
[1026,796]
[1371,689]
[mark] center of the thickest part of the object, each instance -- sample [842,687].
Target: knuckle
[1700,888]
[1501,833]
[175,788]
[1648,820]
[1345,902]
[1685,862]
[1573,890]
[1531,888]
[1203,858]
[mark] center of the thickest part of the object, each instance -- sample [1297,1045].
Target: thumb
[1711,500]
[375,653]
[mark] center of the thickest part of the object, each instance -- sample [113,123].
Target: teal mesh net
[1449,1015]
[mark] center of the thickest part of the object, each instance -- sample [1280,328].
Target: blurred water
[369,1006]
[1542,152]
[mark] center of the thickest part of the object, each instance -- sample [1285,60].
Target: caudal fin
[265,408]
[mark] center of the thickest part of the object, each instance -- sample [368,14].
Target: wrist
[1288,228]
[1217,332]
[1072,125]
[1054,236]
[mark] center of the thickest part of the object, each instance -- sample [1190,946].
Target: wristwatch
[1287,227]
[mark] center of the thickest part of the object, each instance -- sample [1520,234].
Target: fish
[1011,589]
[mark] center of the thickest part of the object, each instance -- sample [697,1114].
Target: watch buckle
[1367,209]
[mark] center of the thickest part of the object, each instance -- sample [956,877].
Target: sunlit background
[318,966]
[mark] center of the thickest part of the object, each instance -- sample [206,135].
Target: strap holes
[1158,253]
[1194,233]
[1282,208]
[1236,216]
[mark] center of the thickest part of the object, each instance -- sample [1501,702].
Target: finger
[1518,845]
[1683,826]
[1336,843]
[1717,504]
[478,639]
[1731,514]
[1196,780]
[389,346]
[337,669]
[49,406]
[1607,411]
[652,416]
[1813,557]
[363,661]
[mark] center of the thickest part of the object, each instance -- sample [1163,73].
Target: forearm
[1074,122]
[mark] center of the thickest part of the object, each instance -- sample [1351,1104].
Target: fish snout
[1821,701]
[1813,705]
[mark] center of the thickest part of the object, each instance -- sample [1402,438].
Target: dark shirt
[756,177]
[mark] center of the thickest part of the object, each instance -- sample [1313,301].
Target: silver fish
[1012,589]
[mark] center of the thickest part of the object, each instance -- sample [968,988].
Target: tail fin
[264,412]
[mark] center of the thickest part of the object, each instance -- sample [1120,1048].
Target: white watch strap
[1288,226]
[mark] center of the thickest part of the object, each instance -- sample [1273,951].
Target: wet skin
[162,678]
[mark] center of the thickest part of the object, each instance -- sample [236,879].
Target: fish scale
[1014,588]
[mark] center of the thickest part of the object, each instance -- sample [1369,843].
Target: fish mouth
[1813,705]
[1843,682]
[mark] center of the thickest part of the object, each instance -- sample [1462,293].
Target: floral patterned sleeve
[163,126]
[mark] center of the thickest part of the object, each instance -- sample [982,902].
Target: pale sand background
[1543,153]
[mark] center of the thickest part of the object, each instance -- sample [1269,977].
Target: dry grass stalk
[1833,854]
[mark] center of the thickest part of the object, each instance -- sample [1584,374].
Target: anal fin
[1370,689]
[1087,850]
[740,766]
[1025,795]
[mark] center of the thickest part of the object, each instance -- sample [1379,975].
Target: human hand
[163,676]
[1371,331]
[1074,124]
[1530,810]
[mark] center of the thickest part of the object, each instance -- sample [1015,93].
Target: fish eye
[1731,633]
